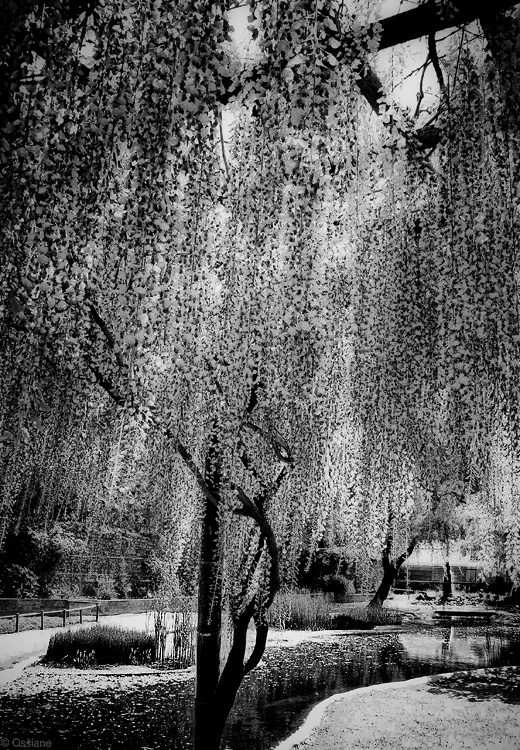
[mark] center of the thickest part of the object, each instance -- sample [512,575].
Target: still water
[272,703]
[275,701]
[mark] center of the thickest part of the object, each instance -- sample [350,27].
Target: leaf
[296,60]
[15,305]
[296,116]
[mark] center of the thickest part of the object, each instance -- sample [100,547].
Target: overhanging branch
[429,18]
[192,466]
[277,442]
[400,560]
[96,317]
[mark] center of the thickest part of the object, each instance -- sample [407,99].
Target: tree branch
[400,560]
[425,20]
[278,443]
[186,456]
[223,147]
[96,317]
[253,396]
[107,386]
[262,630]
[434,57]
[420,95]
[249,466]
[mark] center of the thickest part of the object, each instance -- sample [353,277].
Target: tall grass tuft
[298,610]
[101,644]
[365,617]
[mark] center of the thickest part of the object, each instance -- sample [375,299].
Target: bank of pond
[83,709]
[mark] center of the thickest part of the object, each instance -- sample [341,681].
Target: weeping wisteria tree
[257,323]
[171,298]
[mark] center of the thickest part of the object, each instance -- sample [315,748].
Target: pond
[154,713]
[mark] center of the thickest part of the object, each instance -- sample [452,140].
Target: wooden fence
[65,614]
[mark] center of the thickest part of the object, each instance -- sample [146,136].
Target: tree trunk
[503,41]
[446,583]
[389,576]
[209,623]
[390,571]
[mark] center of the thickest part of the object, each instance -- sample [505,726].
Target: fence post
[64,616]
[81,617]
[97,612]
[41,619]
[17,623]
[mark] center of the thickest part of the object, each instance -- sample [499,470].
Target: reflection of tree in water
[458,647]
[491,650]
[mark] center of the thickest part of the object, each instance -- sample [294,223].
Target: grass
[101,644]
[365,617]
[298,610]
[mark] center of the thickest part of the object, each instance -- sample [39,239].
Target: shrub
[102,586]
[19,581]
[298,610]
[339,585]
[101,644]
[31,556]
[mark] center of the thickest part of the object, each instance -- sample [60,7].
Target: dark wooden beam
[429,18]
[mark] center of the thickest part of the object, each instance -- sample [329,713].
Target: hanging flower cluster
[197,298]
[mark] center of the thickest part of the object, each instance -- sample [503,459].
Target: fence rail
[65,613]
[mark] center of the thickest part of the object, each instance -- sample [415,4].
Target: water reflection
[457,648]
[275,700]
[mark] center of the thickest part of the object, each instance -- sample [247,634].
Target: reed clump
[300,610]
[365,617]
[101,644]
[175,638]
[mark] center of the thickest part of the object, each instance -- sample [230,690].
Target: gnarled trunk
[209,624]
[389,575]
[390,571]
[215,691]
